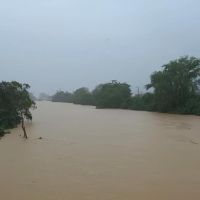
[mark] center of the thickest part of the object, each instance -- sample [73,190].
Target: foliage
[176,84]
[82,96]
[15,104]
[32,96]
[112,95]
[61,96]
[175,90]
[142,102]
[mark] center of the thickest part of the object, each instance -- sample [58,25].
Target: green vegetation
[15,104]
[177,85]
[61,96]
[142,102]
[175,89]
[82,96]
[108,95]
[112,95]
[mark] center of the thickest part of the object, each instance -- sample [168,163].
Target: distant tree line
[109,95]
[15,104]
[175,89]
[44,97]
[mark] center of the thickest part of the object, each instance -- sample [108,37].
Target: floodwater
[90,154]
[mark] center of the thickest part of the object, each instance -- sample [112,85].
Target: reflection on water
[89,154]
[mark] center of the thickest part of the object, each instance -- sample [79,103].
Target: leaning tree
[15,104]
[24,103]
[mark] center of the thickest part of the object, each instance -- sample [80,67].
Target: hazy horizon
[59,44]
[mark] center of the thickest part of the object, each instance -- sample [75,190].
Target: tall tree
[176,83]
[112,95]
[15,104]
[82,96]
[61,96]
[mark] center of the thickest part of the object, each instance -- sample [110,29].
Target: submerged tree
[24,104]
[15,104]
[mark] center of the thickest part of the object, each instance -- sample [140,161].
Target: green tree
[15,104]
[61,96]
[142,102]
[176,84]
[112,95]
[82,96]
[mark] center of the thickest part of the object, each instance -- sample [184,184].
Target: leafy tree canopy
[61,96]
[15,104]
[82,96]
[112,95]
[176,83]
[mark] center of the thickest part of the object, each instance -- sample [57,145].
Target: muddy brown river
[90,154]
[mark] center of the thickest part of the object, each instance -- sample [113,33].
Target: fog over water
[93,154]
[59,44]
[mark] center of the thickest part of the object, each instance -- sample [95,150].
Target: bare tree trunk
[23,128]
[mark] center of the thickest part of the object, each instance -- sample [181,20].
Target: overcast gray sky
[66,44]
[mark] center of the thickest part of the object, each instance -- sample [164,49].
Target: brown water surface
[89,154]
